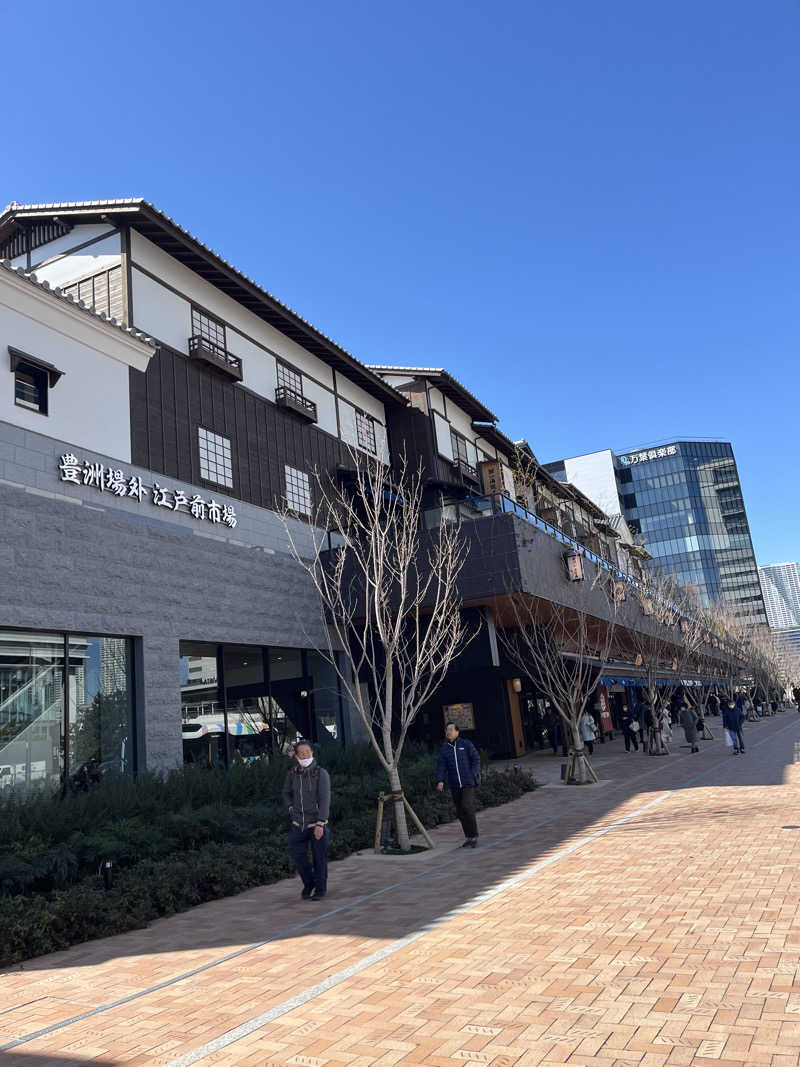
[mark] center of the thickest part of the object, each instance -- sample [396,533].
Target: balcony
[216,356]
[295,402]
[482,507]
[466,470]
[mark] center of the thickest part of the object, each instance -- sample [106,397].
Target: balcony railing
[216,356]
[479,507]
[466,469]
[296,402]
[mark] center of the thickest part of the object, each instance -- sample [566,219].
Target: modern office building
[684,500]
[780,584]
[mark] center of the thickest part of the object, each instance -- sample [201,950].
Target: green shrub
[179,840]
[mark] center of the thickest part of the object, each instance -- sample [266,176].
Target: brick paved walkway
[650,920]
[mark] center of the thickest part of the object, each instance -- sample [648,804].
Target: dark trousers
[314,873]
[464,800]
[629,736]
[590,746]
[738,740]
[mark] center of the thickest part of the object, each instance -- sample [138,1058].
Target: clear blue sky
[587,212]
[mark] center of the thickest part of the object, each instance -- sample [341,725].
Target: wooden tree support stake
[382,798]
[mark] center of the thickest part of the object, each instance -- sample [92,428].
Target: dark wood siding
[176,396]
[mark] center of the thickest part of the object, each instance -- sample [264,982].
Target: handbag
[634,727]
[729,739]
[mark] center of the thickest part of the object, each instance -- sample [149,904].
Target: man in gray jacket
[307,795]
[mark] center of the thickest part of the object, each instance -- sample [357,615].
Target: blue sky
[587,212]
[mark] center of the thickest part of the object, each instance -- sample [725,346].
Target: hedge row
[193,836]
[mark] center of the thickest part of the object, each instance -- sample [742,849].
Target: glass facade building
[685,502]
[780,583]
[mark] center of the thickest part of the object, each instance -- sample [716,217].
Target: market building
[523,526]
[159,408]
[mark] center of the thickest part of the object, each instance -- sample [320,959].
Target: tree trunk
[579,769]
[399,811]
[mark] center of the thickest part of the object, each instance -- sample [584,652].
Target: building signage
[120,484]
[463,715]
[650,453]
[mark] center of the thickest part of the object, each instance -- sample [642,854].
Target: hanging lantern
[638,661]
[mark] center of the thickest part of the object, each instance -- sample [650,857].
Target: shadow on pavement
[384,898]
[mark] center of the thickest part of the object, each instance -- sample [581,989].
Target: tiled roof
[136,205]
[55,292]
[479,409]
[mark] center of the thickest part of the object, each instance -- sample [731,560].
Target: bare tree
[656,644]
[388,590]
[565,650]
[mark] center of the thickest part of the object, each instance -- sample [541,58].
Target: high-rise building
[685,501]
[780,584]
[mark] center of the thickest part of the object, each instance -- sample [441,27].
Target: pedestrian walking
[460,766]
[732,719]
[630,730]
[555,732]
[665,725]
[688,719]
[588,731]
[307,796]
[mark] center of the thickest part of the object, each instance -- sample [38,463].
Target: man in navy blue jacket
[460,765]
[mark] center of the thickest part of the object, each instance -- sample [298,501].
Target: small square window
[289,378]
[210,329]
[215,458]
[365,432]
[298,491]
[30,387]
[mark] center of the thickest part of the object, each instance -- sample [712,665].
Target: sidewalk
[651,919]
[610,760]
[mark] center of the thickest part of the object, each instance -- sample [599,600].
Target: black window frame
[289,377]
[41,382]
[209,327]
[365,427]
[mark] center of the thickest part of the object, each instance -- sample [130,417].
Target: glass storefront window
[31,708]
[290,696]
[245,702]
[325,697]
[100,708]
[99,735]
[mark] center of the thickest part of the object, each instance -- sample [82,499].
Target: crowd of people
[650,728]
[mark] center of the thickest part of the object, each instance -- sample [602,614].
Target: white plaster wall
[444,444]
[160,313]
[594,476]
[89,406]
[488,449]
[359,397]
[326,406]
[76,236]
[100,256]
[193,287]
[347,419]
[436,399]
[460,421]
[259,368]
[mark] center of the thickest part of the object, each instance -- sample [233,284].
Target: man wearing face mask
[307,795]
